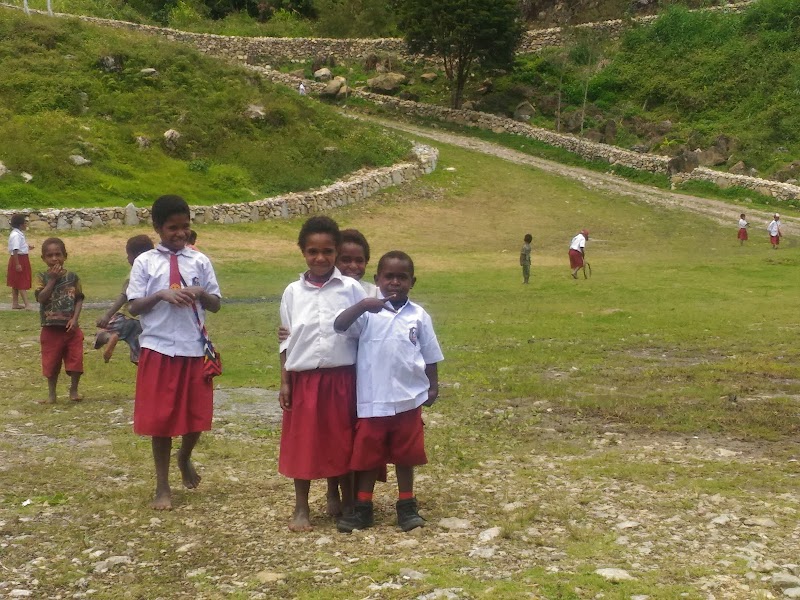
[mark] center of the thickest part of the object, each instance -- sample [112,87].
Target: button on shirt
[393,350]
[578,242]
[308,312]
[168,329]
[16,241]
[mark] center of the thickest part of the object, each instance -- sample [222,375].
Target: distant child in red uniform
[577,252]
[173,397]
[18,276]
[60,299]
[398,355]
[317,374]
[743,225]
[117,323]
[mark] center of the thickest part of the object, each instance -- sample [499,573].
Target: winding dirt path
[722,212]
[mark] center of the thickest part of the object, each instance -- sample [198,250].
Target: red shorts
[172,395]
[775,239]
[317,433]
[58,345]
[398,439]
[19,280]
[742,234]
[575,259]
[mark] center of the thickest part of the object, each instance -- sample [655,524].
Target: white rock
[186,547]
[26,177]
[411,574]
[409,543]
[131,215]
[615,575]
[765,567]
[455,523]
[640,597]
[479,552]
[628,525]
[721,520]
[489,534]
[78,160]
[268,577]
[323,74]
[761,522]
[512,506]
[20,593]
[323,541]
[785,581]
[722,452]
[446,593]
[3,169]
[792,592]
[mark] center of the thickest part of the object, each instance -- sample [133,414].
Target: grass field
[582,424]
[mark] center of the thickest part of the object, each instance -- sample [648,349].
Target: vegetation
[59,98]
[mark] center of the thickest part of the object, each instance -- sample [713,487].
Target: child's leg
[405,481]
[361,517]
[24,295]
[190,477]
[301,518]
[366,484]
[113,338]
[334,507]
[51,388]
[162,446]
[407,514]
[73,387]
[14,298]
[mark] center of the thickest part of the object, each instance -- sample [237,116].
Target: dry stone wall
[358,186]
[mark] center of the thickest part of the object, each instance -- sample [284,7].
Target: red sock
[364,496]
[406,495]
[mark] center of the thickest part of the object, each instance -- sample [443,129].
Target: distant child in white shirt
[173,396]
[318,375]
[774,229]
[19,277]
[397,362]
[743,225]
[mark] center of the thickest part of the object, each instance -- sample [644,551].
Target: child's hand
[178,297]
[102,322]
[18,268]
[56,270]
[285,396]
[283,334]
[433,394]
[376,305]
[72,324]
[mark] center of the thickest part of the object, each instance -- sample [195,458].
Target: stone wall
[358,186]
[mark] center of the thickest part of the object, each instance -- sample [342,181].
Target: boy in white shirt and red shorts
[397,375]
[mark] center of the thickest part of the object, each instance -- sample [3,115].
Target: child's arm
[103,321]
[73,322]
[177,297]
[43,295]
[209,302]
[17,266]
[350,315]
[285,395]
[432,371]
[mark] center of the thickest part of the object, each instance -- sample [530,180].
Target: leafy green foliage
[59,99]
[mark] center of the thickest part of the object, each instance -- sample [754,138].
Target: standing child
[743,225]
[171,287]
[317,374]
[18,277]
[398,355]
[577,252]
[60,299]
[525,257]
[353,259]
[117,323]
[192,241]
[774,229]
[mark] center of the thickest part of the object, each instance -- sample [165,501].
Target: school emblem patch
[175,286]
[412,335]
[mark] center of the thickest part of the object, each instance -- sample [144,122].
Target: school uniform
[172,395]
[742,235]
[576,247]
[18,280]
[774,229]
[317,433]
[394,349]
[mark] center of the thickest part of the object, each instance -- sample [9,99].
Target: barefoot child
[525,257]
[116,325]
[317,374]
[397,374]
[577,252]
[173,398]
[774,229]
[18,277]
[743,225]
[60,299]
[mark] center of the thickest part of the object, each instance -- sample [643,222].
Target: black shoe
[361,518]
[407,516]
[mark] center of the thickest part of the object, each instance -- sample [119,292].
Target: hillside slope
[72,90]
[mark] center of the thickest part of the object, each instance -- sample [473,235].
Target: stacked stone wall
[355,188]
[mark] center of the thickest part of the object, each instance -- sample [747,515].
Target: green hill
[68,88]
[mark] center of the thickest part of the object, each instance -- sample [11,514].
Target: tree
[463,33]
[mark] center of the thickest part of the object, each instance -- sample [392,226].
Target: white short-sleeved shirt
[578,242]
[308,312]
[773,227]
[742,223]
[393,349]
[166,328]
[370,289]
[17,241]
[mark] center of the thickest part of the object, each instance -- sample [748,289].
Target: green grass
[676,317]
[56,100]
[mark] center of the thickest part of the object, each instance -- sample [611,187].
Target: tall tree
[463,33]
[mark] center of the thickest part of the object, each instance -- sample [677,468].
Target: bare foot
[191,479]
[75,397]
[334,508]
[48,401]
[162,500]
[16,307]
[300,521]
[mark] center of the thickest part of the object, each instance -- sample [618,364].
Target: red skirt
[775,239]
[317,433]
[575,259]
[19,280]
[172,395]
[742,234]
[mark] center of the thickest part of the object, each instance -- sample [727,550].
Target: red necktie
[174,272]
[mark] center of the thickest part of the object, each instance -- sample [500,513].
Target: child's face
[351,260]
[320,253]
[395,278]
[175,231]
[131,257]
[52,255]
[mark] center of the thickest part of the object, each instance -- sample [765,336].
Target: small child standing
[525,257]
[173,397]
[18,277]
[398,355]
[774,229]
[317,392]
[353,259]
[743,225]
[115,324]
[577,252]
[60,299]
